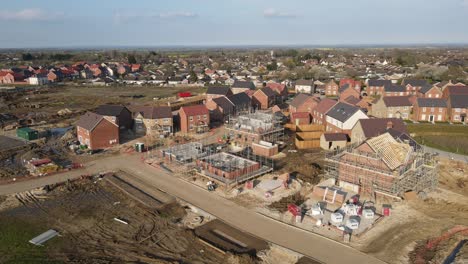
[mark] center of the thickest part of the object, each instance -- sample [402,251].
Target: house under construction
[382,165]
[253,127]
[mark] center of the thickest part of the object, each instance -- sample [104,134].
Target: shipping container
[27,133]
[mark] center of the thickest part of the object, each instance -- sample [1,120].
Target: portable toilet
[336,217]
[368,213]
[139,147]
[352,224]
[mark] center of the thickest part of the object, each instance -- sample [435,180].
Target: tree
[273,66]
[131,59]
[193,77]
[27,56]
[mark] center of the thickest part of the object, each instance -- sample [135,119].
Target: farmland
[451,138]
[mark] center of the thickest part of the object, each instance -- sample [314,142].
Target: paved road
[309,244]
[446,154]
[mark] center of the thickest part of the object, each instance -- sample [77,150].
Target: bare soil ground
[83,212]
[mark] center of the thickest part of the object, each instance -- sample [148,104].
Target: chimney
[389,125]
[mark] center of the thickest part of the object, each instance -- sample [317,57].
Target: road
[312,245]
[446,154]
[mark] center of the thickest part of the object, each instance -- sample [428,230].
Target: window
[458,110]
[406,108]
[424,109]
[432,109]
[440,110]
[191,118]
[205,117]
[437,96]
[430,95]
[457,117]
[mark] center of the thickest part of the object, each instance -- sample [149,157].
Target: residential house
[320,111]
[242,86]
[135,67]
[393,106]
[215,92]
[220,108]
[194,119]
[152,120]
[414,85]
[373,127]
[97,132]
[264,98]
[376,87]
[303,103]
[280,89]
[430,109]
[118,114]
[300,118]
[304,86]
[454,90]
[347,91]
[342,117]
[352,83]
[332,88]
[395,90]
[458,108]
[38,79]
[445,84]
[429,91]
[242,103]
[6,77]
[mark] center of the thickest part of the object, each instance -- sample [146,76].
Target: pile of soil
[282,205]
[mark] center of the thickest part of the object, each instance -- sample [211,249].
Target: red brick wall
[104,135]
[260,100]
[418,113]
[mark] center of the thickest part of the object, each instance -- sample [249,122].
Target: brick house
[242,86]
[395,90]
[152,120]
[220,108]
[194,119]
[430,109]
[304,86]
[215,92]
[414,85]
[445,84]
[393,106]
[242,103]
[331,88]
[97,132]
[355,84]
[376,87]
[342,117]
[346,91]
[6,77]
[458,108]
[280,89]
[429,92]
[264,98]
[320,111]
[300,118]
[454,90]
[373,127]
[303,103]
[118,114]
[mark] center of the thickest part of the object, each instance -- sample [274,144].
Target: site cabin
[393,106]
[430,110]
[194,119]
[458,108]
[97,132]
[304,86]
[376,87]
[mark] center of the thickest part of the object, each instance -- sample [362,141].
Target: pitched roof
[221,90]
[300,115]
[305,82]
[352,100]
[432,102]
[153,112]
[459,101]
[342,111]
[325,105]
[377,126]
[278,87]
[194,110]
[393,153]
[393,101]
[343,87]
[335,136]
[299,100]
[395,88]
[224,103]
[414,82]
[379,82]
[90,120]
[110,110]
[454,89]
[240,99]
[244,84]
[268,92]
[427,88]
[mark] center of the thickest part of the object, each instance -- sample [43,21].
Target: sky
[100,23]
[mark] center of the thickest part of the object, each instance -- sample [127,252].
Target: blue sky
[64,23]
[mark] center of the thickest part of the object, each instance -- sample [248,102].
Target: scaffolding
[370,174]
[254,127]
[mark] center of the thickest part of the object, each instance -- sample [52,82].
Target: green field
[14,245]
[451,138]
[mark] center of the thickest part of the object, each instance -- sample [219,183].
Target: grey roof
[431,102]
[153,112]
[395,88]
[268,92]
[299,100]
[373,127]
[379,82]
[459,101]
[343,88]
[414,82]
[335,136]
[89,121]
[221,90]
[240,100]
[225,104]
[426,88]
[392,101]
[342,111]
[110,110]
[305,82]
[244,84]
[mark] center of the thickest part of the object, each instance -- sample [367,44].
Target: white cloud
[176,14]
[126,17]
[273,13]
[31,14]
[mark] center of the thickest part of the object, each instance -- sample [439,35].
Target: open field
[451,138]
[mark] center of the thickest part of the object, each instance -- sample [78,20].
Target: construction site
[243,130]
[382,166]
